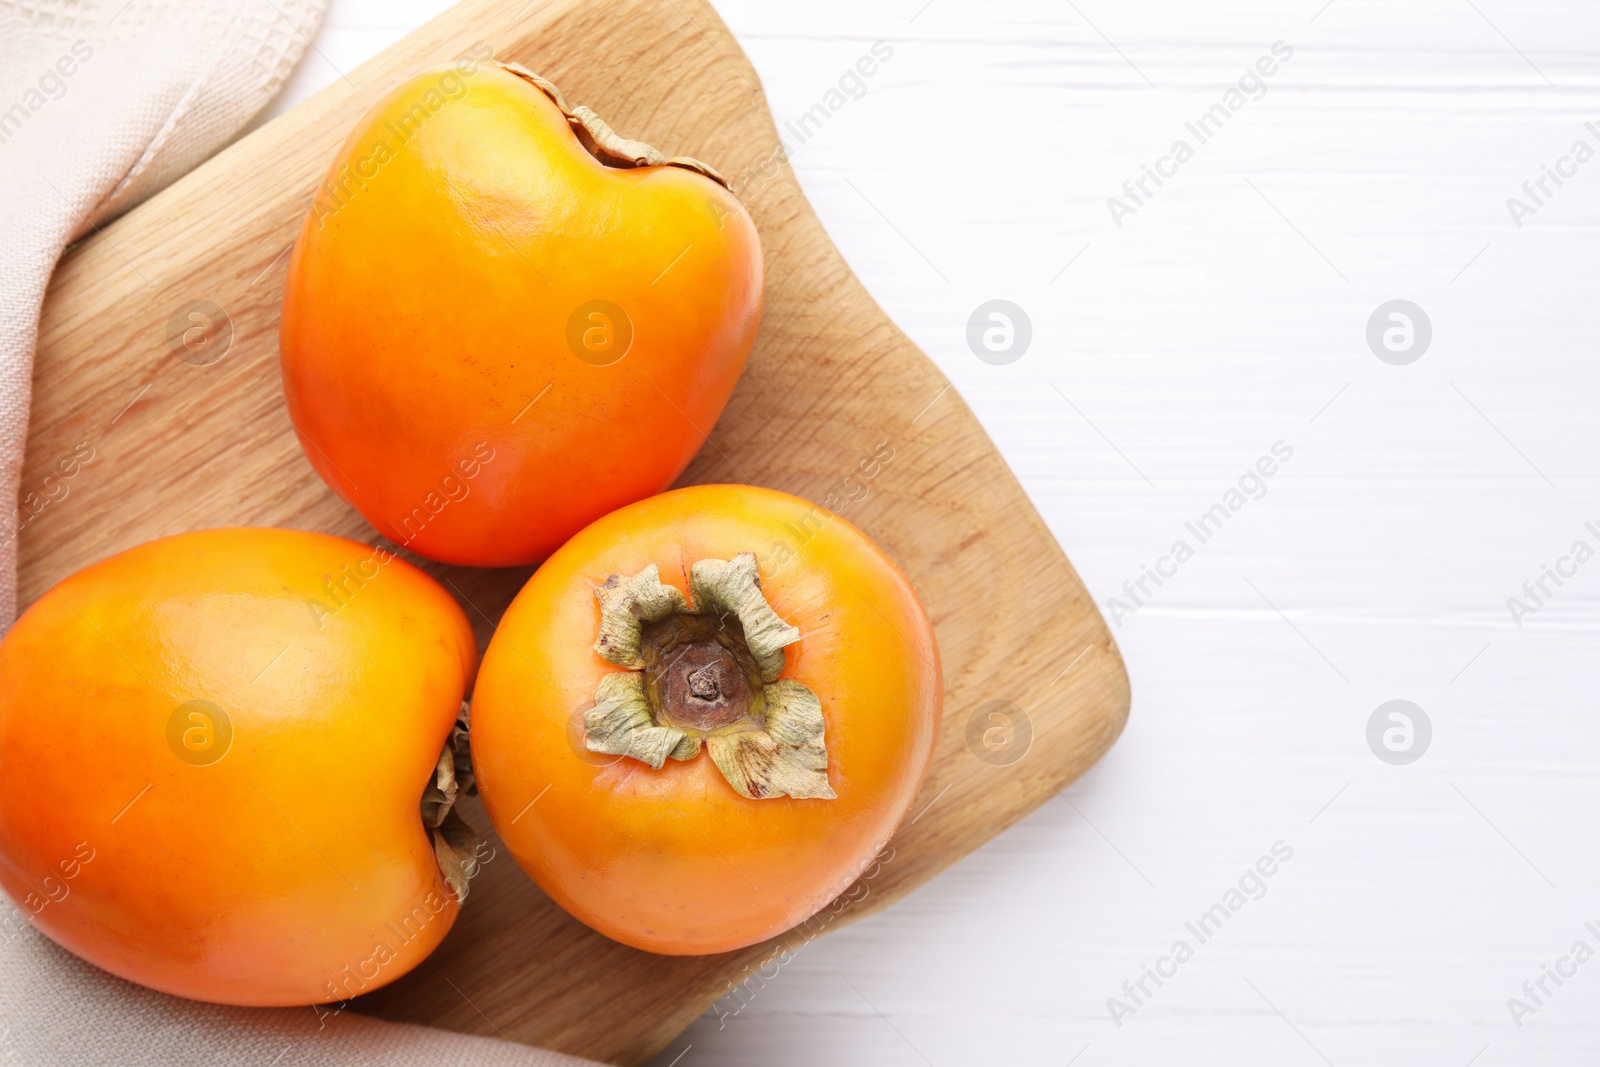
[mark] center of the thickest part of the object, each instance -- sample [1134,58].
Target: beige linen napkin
[103,102]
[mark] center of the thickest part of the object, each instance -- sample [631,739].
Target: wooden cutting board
[181,444]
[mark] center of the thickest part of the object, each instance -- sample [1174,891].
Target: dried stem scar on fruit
[704,716]
[706,675]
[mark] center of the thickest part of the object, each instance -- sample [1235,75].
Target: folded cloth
[57,1010]
[102,103]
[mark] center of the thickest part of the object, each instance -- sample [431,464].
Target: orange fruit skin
[426,321]
[673,860]
[294,869]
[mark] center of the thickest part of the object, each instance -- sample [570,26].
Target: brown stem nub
[704,688]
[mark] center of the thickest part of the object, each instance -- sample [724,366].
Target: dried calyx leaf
[604,143]
[626,604]
[620,724]
[706,674]
[440,795]
[455,846]
[732,587]
[785,759]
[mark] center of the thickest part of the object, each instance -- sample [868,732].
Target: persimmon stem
[706,675]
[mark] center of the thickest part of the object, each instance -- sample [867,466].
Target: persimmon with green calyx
[227,764]
[704,715]
[503,320]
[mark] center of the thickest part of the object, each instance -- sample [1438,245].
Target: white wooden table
[1225,314]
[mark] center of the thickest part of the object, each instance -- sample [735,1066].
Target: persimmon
[218,754]
[704,715]
[503,320]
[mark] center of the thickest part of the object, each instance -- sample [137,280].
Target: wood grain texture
[179,446]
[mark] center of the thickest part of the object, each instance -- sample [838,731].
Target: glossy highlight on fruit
[212,751]
[490,337]
[704,715]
